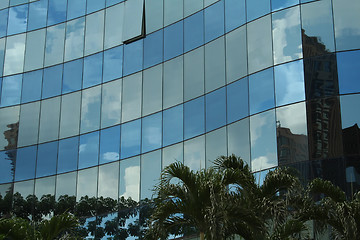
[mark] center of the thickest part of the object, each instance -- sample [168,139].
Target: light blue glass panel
[90,109]
[38,14]
[133,57]
[94,5]
[153,49]
[25,163]
[194,74]
[87,184]
[29,124]
[94,33]
[257,8]
[46,159]
[173,40]
[76,9]
[171,154]
[49,119]
[68,155]
[194,118]
[237,100]
[2,54]
[52,81]
[194,153]
[150,173]
[17,2]
[35,47]
[112,2]
[173,82]
[92,70]
[151,132]
[108,184]
[7,162]
[192,6]
[74,43]
[214,21]
[215,146]
[130,139]
[215,64]
[111,103]
[17,19]
[14,57]
[280,4]
[89,150]
[348,64]
[70,115]
[154,16]
[3,22]
[131,97]
[173,11]
[72,76]
[129,185]
[114,18]
[239,139]
[56,11]
[110,144]
[54,50]
[11,90]
[194,31]
[173,125]
[152,90]
[9,118]
[4,4]
[215,109]
[133,20]
[235,14]
[113,62]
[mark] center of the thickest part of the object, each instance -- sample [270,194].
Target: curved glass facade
[96,96]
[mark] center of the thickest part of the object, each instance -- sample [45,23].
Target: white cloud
[111,156]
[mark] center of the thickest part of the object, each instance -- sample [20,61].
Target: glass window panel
[94,33]
[87,183]
[261,98]
[49,120]
[94,5]
[215,146]
[46,159]
[9,121]
[237,103]
[153,48]
[92,70]
[111,104]
[194,31]
[113,25]
[289,83]
[214,21]
[24,188]
[68,155]
[18,17]
[133,20]
[133,57]
[194,118]
[54,49]
[90,109]
[66,184]
[257,8]
[89,150]
[152,90]
[173,11]
[4,4]
[3,22]
[151,132]
[112,2]
[38,14]
[7,164]
[173,40]
[11,90]
[52,81]
[346,17]
[72,76]
[2,54]
[110,144]
[173,125]
[150,173]
[209,2]
[194,153]
[348,64]
[263,141]
[6,189]
[154,15]
[109,181]
[215,109]
[215,64]
[173,82]
[76,9]
[130,178]
[74,43]
[192,6]
[236,54]
[130,139]
[239,139]
[349,117]
[235,14]
[194,74]
[29,124]
[131,97]
[280,4]
[44,186]
[113,61]
[56,11]
[14,55]
[259,38]
[70,115]
[34,55]
[171,154]
[25,163]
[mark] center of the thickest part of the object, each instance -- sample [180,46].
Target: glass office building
[97,96]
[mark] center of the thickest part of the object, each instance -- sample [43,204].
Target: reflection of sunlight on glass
[131,178]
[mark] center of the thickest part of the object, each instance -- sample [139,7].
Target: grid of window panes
[275,82]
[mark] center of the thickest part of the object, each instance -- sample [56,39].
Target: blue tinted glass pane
[76,9]
[194,118]
[7,162]
[214,21]
[11,90]
[280,4]
[110,144]
[215,109]
[237,100]
[17,2]
[235,14]
[173,40]
[72,78]
[94,5]
[25,163]
[194,31]
[38,14]
[151,132]
[56,11]
[261,98]
[133,53]
[31,88]
[17,19]
[46,159]
[113,61]
[68,154]
[348,64]
[92,70]
[130,139]
[153,49]
[89,150]
[257,8]
[3,22]
[112,2]
[173,125]
[52,81]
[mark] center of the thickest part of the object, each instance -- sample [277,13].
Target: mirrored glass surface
[216,146]
[46,159]
[173,40]
[4,14]
[113,61]
[153,48]
[109,180]
[194,118]
[94,33]
[6,189]
[215,64]
[70,115]
[76,9]
[215,103]
[66,184]
[214,21]
[24,188]
[44,186]
[56,11]
[49,120]
[131,97]
[173,11]
[239,139]
[11,90]
[173,82]
[110,144]
[235,14]
[68,155]
[152,90]
[257,8]
[38,14]
[150,173]
[194,153]
[14,55]
[9,123]
[55,40]
[18,17]
[129,185]
[237,102]
[114,19]
[93,70]
[7,166]
[4,4]
[130,139]
[133,57]
[348,65]
[35,47]
[280,4]
[72,76]
[194,31]
[94,5]
[87,183]
[25,163]
[29,124]
[74,42]
[154,16]
[194,74]
[111,103]
[192,6]
[52,81]
[2,55]
[171,154]
[133,20]
[151,132]
[173,125]
[89,150]
[90,109]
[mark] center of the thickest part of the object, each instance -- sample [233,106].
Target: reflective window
[94,5]
[216,146]
[349,117]
[174,153]
[257,8]
[54,49]
[3,22]
[38,14]
[215,64]
[4,4]
[17,2]
[261,98]
[112,2]
[194,153]
[235,14]
[133,20]
[25,163]
[289,83]
[90,109]
[87,183]
[24,188]
[29,124]
[44,186]
[130,178]
[131,97]
[194,31]
[133,57]
[173,40]
[70,115]
[237,100]
[74,43]
[109,180]
[280,4]
[14,56]
[56,11]
[173,125]
[46,159]
[173,82]
[6,188]
[72,76]
[2,54]
[68,155]
[215,109]
[17,19]
[76,9]
[194,74]
[130,139]
[66,184]
[150,173]
[34,55]
[52,81]
[192,6]
[94,34]
[214,21]
[111,103]
[239,139]
[9,122]
[154,15]
[89,150]
[109,144]
[11,90]
[113,61]
[92,70]
[113,26]
[153,49]
[151,132]
[348,64]
[173,11]
[49,119]
[7,162]
[194,118]
[152,90]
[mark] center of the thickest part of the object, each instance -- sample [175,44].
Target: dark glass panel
[235,14]
[110,144]
[56,11]
[9,127]
[348,64]
[173,125]
[151,132]
[153,49]
[25,163]
[214,21]
[46,159]
[237,100]
[194,118]
[68,155]
[215,109]
[52,81]
[72,77]
[7,166]
[173,40]
[31,86]
[194,31]
[239,139]
[38,14]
